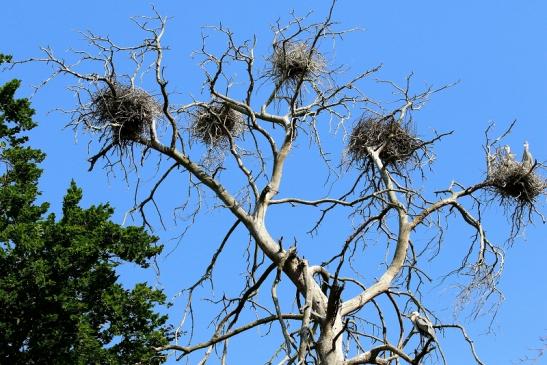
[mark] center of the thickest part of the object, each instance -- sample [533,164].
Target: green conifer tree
[60,298]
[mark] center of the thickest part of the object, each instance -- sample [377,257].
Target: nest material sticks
[214,124]
[514,180]
[397,141]
[295,61]
[124,111]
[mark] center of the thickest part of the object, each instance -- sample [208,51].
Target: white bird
[527,158]
[508,153]
[423,325]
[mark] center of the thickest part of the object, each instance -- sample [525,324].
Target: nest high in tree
[215,123]
[124,111]
[291,62]
[398,141]
[514,181]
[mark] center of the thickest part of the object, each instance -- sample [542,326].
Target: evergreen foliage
[60,299]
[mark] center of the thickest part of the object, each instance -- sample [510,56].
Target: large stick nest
[516,181]
[125,111]
[216,123]
[397,141]
[295,61]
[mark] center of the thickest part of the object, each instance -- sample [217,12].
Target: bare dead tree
[288,96]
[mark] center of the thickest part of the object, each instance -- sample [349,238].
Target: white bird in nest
[423,325]
[527,158]
[508,153]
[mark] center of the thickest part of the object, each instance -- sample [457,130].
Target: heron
[423,325]
[508,153]
[527,158]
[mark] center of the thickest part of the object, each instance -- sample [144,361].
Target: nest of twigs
[126,112]
[295,61]
[397,141]
[515,181]
[216,123]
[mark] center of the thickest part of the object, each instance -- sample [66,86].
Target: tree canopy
[60,297]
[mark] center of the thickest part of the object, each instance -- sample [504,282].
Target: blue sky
[497,50]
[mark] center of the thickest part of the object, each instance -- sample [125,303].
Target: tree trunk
[329,346]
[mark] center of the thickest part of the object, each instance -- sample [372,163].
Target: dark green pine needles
[60,299]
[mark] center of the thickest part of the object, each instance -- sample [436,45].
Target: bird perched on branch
[423,325]
[527,158]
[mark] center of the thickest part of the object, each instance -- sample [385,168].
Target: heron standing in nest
[508,153]
[527,158]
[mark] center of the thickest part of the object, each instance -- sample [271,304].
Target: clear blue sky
[497,49]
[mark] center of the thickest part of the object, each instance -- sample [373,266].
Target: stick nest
[291,62]
[398,141]
[215,123]
[125,111]
[516,181]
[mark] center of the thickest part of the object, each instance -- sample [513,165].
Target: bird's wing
[425,326]
[527,158]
